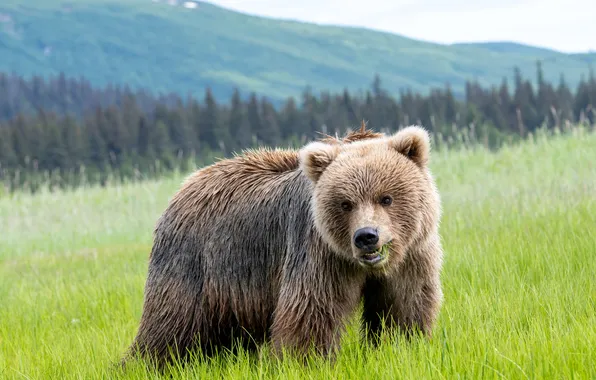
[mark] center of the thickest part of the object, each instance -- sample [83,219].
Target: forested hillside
[65,131]
[150,44]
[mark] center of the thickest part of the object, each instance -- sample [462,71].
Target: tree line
[59,128]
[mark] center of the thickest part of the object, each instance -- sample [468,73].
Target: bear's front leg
[409,298]
[300,329]
[311,317]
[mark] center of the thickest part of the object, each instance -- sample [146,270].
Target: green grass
[520,297]
[165,48]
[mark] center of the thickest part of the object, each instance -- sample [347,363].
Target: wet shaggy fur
[261,247]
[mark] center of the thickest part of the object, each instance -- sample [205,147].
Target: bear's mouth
[375,257]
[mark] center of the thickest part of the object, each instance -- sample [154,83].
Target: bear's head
[374,197]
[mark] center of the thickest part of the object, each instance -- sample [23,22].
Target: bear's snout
[366,239]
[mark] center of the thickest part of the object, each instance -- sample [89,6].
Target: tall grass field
[519,278]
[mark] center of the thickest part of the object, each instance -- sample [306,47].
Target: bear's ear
[315,157]
[413,142]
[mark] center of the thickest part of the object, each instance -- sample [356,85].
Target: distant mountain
[167,45]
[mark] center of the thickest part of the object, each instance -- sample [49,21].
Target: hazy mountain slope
[171,48]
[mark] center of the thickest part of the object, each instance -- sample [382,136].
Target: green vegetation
[519,237]
[174,49]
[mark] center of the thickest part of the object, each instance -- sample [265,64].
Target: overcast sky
[564,25]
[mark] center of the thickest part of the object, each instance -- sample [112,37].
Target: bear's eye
[346,206]
[386,200]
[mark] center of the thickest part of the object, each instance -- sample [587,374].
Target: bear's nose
[366,238]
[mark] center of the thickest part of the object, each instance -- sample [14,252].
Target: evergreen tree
[289,119]
[238,124]
[582,103]
[451,111]
[55,155]
[74,144]
[348,105]
[210,127]
[98,150]
[8,158]
[254,116]
[194,120]
[144,140]
[564,101]
[269,132]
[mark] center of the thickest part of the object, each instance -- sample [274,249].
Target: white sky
[564,25]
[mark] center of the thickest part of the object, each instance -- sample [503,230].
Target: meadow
[518,228]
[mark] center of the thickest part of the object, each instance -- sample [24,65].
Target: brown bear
[281,246]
